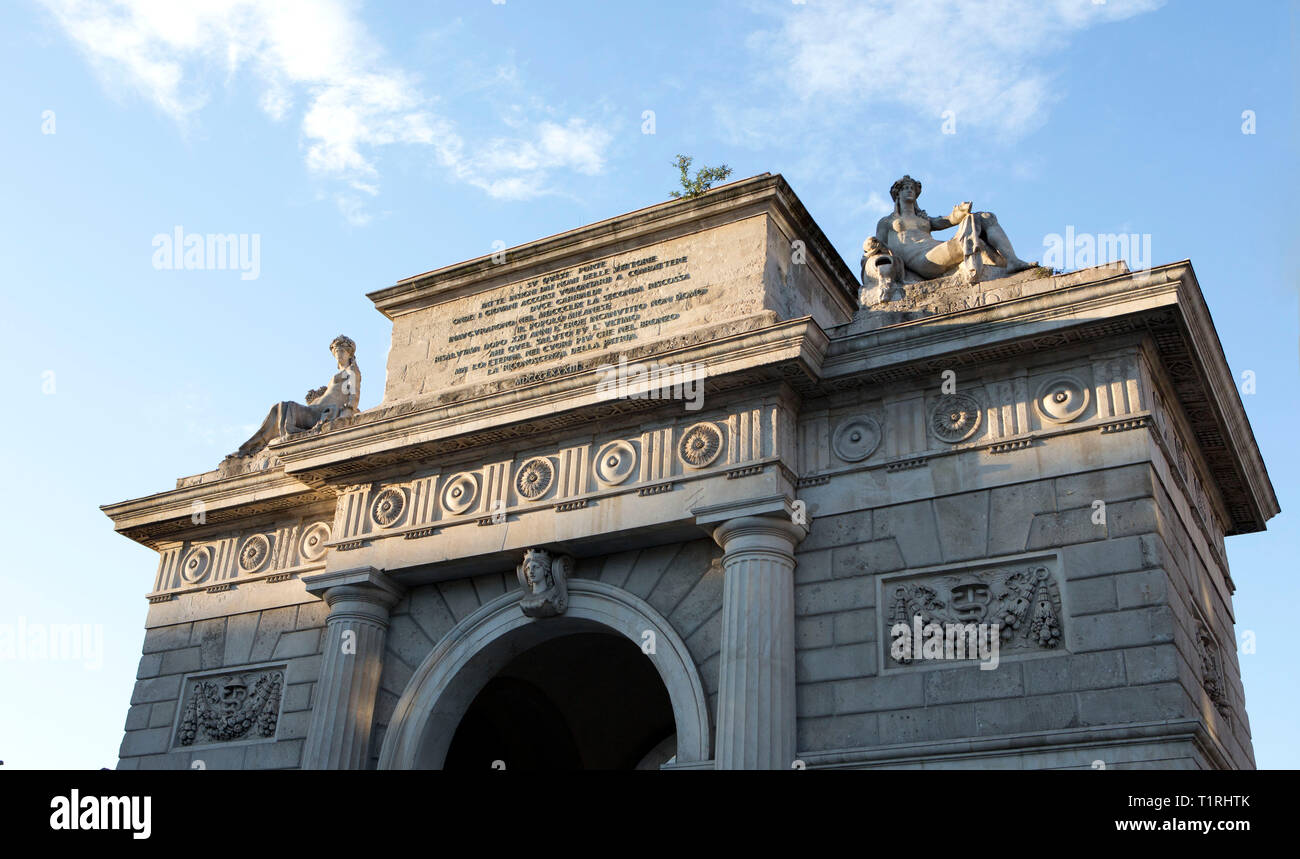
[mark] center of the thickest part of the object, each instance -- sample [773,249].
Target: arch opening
[603,629]
[588,700]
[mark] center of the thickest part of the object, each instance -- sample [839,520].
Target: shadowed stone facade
[1062,455]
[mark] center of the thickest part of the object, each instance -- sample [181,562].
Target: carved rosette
[458,496]
[197,564]
[311,546]
[615,462]
[233,707]
[534,478]
[955,418]
[700,445]
[387,508]
[856,439]
[255,553]
[1061,399]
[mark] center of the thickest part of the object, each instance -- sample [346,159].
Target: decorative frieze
[1023,598]
[230,707]
[222,562]
[561,480]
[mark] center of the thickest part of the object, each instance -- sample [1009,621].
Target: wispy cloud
[318,57]
[980,59]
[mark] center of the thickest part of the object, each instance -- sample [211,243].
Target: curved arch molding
[442,688]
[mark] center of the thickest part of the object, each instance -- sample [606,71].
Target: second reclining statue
[904,249]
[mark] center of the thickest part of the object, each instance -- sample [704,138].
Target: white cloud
[977,58]
[320,53]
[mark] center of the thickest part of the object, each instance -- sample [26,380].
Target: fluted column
[756,702]
[342,715]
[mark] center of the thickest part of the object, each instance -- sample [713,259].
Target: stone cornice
[795,347]
[733,201]
[164,515]
[1166,302]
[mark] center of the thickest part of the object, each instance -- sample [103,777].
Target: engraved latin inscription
[568,313]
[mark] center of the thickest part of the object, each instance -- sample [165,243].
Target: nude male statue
[907,232]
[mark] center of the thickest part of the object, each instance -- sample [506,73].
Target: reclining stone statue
[338,399]
[903,250]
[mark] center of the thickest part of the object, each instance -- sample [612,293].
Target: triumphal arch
[682,490]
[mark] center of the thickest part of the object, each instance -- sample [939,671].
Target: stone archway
[446,683]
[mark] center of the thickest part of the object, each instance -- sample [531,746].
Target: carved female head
[906,181]
[347,346]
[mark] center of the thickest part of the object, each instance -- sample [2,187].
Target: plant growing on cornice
[704,177]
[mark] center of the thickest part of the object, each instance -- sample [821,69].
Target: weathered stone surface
[821,597]
[971,683]
[834,663]
[887,692]
[1154,664]
[145,742]
[1088,596]
[1024,715]
[879,556]
[963,522]
[156,689]
[1012,510]
[1067,672]
[850,731]
[182,661]
[854,626]
[137,717]
[1132,628]
[150,665]
[913,528]
[927,723]
[860,486]
[847,529]
[167,638]
[300,643]
[241,631]
[1116,706]
[1049,530]
[270,625]
[814,566]
[814,632]
[210,636]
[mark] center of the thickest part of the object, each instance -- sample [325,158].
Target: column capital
[360,583]
[759,532]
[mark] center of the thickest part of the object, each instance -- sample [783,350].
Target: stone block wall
[1126,658]
[285,638]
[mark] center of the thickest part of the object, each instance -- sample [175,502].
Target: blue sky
[366,142]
